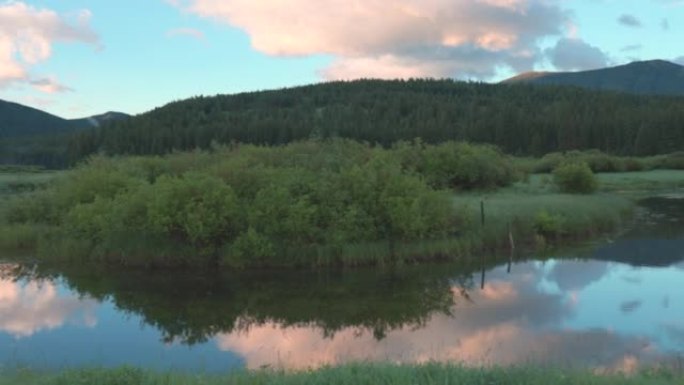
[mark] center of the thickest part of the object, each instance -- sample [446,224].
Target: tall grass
[356,374]
[542,218]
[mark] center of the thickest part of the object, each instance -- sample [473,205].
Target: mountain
[98,120]
[654,77]
[32,136]
[17,121]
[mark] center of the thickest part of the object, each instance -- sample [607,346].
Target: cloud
[630,306]
[49,86]
[30,308]
[575,55]
[631,47]
[188,32]
[576,276]
[631,21]
[401,38]
[27,36]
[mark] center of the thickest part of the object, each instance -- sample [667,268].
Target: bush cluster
[575,178]
[249,205]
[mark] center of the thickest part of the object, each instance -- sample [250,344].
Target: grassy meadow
[358,374]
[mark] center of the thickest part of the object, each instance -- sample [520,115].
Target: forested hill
[17,121]
[655,77]
[31,136]
[521,119]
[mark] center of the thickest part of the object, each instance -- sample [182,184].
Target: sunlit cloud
[49,86]
[26,309]
[27,36]
[401,38]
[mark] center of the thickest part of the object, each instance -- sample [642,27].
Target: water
[616,305]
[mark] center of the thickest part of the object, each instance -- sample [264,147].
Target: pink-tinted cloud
[49,86]
[27,36]
[400,38]
[27,309]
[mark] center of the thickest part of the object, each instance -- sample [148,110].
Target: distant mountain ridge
[653,77]
[17,121]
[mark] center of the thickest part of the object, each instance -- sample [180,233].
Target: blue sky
[82,57]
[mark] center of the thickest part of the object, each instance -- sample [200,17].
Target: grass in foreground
[347,375]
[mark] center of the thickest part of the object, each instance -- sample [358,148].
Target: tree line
[519,119]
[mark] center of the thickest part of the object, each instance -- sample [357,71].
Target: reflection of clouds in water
[29,308]
[630,306]
[574,275]
[509,322]
[675,332]
[509,343]
[632,280]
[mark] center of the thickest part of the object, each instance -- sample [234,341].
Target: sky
[78,58]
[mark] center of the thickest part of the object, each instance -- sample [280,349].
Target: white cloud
[27,36]
[400,38]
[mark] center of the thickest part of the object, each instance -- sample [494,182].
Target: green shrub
[575,178]
[455,165]
[549,224]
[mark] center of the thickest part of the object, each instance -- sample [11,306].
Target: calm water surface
[617,304]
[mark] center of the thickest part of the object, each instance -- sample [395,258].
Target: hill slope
[17,120]
[655,77]
[32,136]
[521,119]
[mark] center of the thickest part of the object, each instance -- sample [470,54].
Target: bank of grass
[355,374]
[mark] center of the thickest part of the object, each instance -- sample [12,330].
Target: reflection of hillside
[642,252]
[194,309]
[656,239]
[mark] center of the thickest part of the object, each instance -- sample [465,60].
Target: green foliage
[575,178]
[198,208]
[241,205]
[548,224]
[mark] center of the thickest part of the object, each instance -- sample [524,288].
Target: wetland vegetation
[318,203]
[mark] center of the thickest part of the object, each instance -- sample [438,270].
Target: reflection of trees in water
[194,307]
